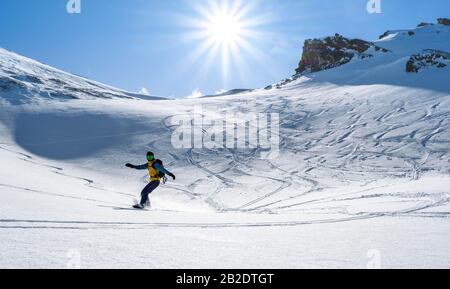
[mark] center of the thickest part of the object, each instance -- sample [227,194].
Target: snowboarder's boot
[139,207]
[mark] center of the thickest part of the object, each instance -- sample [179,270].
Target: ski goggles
[150,157]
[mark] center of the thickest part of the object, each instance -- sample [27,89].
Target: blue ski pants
[148,190]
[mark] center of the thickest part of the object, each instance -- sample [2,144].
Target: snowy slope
[362,178]
[23,80]
[389,68]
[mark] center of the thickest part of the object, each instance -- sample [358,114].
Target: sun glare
[226,32]
[224,29]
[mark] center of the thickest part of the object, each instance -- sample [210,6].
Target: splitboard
[129,209]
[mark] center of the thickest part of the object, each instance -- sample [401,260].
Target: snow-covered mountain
[361,178]
[23,80]
[384,61]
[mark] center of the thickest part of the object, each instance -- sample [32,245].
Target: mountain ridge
[330,52]
[23,79]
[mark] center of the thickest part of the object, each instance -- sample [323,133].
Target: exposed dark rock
[423,24]
[444,21]
[330,52]
[384,34]
[387,33]
[427,58]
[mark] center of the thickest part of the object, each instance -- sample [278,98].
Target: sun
[224,29]
[226,34]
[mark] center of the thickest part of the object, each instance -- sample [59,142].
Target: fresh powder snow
[362,172]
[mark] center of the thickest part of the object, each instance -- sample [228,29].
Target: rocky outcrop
[331,52]
[384,35]
[424,24]
[428,58]
[389,32]
[444,21]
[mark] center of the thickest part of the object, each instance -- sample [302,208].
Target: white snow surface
[362,178]
[23,80]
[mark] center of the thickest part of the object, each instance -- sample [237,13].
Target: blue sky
[147,43]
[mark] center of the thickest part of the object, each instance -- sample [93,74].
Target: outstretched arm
[141,167]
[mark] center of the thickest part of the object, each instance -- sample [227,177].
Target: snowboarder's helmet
[150,156]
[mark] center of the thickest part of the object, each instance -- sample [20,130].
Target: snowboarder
[156,171]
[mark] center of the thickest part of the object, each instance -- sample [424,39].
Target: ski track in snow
[340,138]
[352,152]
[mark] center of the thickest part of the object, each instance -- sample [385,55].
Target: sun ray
[226,30]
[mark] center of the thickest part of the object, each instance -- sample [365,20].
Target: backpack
[161,174]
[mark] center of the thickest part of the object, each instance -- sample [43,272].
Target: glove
[173,176]
[129,166]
